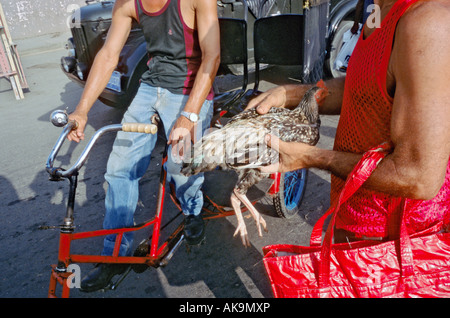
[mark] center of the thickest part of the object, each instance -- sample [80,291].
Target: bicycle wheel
[292,188]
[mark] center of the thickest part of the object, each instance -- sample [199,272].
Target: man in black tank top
[184,54]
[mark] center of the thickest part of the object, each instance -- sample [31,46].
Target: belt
[343,236]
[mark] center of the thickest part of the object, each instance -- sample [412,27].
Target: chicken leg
[236,199]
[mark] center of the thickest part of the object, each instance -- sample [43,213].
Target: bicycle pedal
[141,251]
[114,285]
[165,260]
[138,269]
[189,246]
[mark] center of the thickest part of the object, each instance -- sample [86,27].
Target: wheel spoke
[293,182]
[292,187]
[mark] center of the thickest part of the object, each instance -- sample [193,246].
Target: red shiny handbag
[411,266]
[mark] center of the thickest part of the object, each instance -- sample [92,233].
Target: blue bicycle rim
[294,185]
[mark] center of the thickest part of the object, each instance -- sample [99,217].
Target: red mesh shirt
[365,123]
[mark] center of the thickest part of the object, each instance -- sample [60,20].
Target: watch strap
[188,115]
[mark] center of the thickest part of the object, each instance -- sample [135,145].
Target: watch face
[193,117]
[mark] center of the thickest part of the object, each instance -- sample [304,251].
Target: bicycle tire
[290,195]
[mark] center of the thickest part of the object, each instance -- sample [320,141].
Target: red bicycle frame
[151,252]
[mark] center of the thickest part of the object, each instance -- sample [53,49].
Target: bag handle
[360,173]
[355,180]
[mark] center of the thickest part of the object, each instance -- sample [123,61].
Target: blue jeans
[130,158]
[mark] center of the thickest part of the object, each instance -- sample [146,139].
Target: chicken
[240,146]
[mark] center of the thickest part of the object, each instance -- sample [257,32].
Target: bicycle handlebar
[140,128]
[58,173]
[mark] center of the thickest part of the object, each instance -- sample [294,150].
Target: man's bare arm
[421,111]
[209,38]
[104,64]
[289,96]
[421,114]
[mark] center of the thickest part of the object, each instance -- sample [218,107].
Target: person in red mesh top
[395,91]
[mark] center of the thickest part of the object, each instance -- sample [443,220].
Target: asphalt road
[221,268]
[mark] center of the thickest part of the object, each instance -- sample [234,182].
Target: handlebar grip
[140,128]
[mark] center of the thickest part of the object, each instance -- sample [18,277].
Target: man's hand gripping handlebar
[59,118]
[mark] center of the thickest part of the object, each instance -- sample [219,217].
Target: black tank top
[173,48]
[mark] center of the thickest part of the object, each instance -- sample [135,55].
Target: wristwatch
[191,116]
